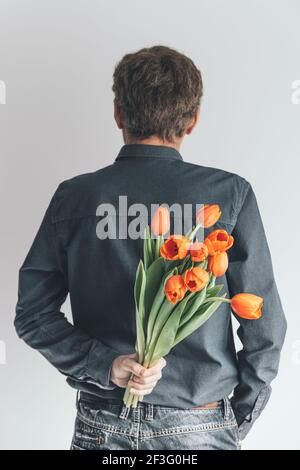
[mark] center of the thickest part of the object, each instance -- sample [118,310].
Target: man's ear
[117,115]
[193,122]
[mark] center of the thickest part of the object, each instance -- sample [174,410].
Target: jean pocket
[88,437]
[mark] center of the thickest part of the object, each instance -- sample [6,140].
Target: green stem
[212,281]
[127,392]
[157,246]
[130,400]
[193,233]
[135,400]
[213,299]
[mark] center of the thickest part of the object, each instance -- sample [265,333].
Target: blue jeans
[106,424]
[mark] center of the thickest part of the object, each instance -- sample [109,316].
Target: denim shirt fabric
[67,257]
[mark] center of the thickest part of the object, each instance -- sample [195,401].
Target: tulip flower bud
[195,279]
[176,247]
[175,289]
[218,264]
[198,252]
[247,306]
[218,240]
[160,224]
[208,215]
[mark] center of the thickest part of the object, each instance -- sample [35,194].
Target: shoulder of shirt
[217,171]
[239,184]
[78,182]
[79,185]
[73,189]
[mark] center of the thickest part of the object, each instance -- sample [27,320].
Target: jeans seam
[103,427]
[237,437]
[188,429]
[189,410]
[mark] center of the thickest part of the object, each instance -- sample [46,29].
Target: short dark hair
[158,90]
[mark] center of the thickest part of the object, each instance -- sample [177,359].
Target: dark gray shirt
[67,257]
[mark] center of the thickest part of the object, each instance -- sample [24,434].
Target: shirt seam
[55,220]
[242,199]
[147,157]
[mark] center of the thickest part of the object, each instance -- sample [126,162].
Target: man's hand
[143,381]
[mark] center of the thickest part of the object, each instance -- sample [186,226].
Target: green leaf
[192,306]
[198,319]
[168,332]
[156,305]
[139,292]
[185,264]
[201,264]
[212,281]
[161,318]
[154,278]
[173,264]
[214,291]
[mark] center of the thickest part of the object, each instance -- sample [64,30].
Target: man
[186,405]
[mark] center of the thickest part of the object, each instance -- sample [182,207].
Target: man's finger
[140,386]
[131,365]
[147,379]
[122,383]
[133,355]
[141,392]
[156,368]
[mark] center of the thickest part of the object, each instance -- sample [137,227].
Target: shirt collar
[148,150]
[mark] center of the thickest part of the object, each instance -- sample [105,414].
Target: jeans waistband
[124,411]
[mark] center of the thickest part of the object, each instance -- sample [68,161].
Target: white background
[57,59]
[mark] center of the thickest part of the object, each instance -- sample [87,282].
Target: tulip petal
[247,306]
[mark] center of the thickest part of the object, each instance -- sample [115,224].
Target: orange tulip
[247,306]
[198,251]
[217,241]
[208,215]
[218,263]
[160,223]
[195,279]
[175,289]
[176,247]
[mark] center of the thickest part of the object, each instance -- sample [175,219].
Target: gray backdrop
[56,60]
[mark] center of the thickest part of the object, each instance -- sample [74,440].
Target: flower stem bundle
[175,289]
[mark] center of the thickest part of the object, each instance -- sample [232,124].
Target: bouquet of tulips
[175,289]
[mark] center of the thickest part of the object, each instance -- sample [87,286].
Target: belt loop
[226,408]
[149,412]
[77,399]
[124,412]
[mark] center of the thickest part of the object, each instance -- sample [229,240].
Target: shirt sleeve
[250,270]
[43,288]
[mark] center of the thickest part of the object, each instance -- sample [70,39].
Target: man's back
[99,273]
[102,271]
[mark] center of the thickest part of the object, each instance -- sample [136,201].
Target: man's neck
[153,141]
